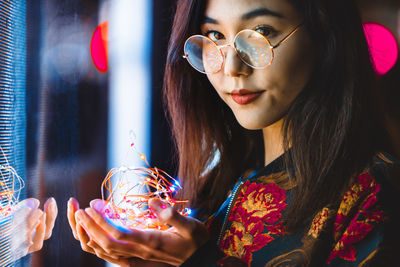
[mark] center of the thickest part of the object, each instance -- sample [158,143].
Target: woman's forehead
[235,10]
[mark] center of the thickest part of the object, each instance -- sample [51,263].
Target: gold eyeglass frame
[232,44]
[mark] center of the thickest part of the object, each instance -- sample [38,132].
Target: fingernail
[33,203]
[97,205]
[92,203]
[163,206]
[53,204]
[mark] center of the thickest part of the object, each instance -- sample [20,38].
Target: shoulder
[365,222]
[386,170]
[383,178]
[377,185]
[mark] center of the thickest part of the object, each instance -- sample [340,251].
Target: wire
[129,195]
[11,185]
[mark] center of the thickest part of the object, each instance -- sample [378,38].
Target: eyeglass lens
[252,47]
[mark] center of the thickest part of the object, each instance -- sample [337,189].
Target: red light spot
[382,47]
[99,47]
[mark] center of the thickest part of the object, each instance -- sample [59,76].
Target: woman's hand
[31,226]
[172,246]
[81,235]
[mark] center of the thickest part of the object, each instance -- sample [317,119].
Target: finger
[143,263]
[108,257]
[135,236]
[91,228]
[144,244]
[73,206]
[109,228]
[33,219]
[168,215]
[32,203]
[98,204]
[95,232]
[21,235]
[116,254]
[21,216]
[50,208]
[83,238]
[39,235]
[91,247]
[100,251]
[120,261]
[131,235]
[113,254]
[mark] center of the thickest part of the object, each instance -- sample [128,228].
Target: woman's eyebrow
[209,20]
[263,11]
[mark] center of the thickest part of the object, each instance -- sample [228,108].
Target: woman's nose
[233,65]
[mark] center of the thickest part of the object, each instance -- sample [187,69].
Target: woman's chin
[251,125]
[257,123]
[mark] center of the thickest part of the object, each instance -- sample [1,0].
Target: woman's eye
[214,35]
[266,31]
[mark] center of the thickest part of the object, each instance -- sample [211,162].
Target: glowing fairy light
[127,201]
[11,185]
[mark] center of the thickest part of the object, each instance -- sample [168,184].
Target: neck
[273,141]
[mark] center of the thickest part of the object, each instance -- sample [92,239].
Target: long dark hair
[331,127]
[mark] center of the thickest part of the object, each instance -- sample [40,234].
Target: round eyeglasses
[253,48]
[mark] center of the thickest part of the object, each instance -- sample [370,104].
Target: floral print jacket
[362,231]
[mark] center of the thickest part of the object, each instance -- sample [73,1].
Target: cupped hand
[172,246]
[31,225]
[81,235]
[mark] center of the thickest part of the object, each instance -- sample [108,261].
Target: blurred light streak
[382,46]
[99,47]
[130,27]
[65,50]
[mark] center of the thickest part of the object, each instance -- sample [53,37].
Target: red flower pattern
[256,220]
[258,206]
[362,223]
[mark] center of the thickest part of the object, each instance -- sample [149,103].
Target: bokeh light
[382,46]
[99,47]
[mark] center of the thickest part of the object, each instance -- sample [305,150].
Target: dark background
[67,119]
[67,122]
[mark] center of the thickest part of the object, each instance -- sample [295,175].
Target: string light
[127,201]
[11,185]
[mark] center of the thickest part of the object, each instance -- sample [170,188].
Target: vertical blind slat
[12,104]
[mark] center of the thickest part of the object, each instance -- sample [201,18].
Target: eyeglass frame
[232,44]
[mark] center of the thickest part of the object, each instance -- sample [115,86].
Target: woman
[280,94]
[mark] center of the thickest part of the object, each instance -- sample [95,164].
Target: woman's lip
[244,92]
[244,96]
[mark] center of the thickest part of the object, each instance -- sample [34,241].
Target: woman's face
[269,91]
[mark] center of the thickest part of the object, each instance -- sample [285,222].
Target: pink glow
[99,47]
[382,46]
